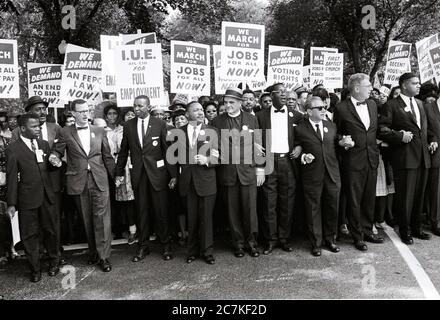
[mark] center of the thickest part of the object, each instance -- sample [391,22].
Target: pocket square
[154,138]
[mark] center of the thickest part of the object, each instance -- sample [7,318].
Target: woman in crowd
[210,108]
[394,93]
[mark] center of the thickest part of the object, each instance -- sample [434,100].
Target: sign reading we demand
[398,62]
[44,80]
[242,51]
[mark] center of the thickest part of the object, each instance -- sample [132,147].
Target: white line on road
[414,265]
[68,290]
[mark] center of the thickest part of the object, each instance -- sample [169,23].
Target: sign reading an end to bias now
[317,64]
[138,72]
[398,62]
[44,80]
[81,78]
[190,68]
[285,65]
[242,51]
[9,86]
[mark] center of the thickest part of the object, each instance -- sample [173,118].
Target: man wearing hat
[404,126]
[12,119]
[277,124]
[237,174]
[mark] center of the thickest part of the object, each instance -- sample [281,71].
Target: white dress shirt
[280,132]
[139,129]
[27,142]
[407,101]
[191,129]
[362,111]
[84,137]
[438,104]
[44,135]
[321,127]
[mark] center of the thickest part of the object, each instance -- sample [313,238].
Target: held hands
[433,147]
[407,136]
[119,180]
[308,158]
[346,142]
[260,179]
[11,211]
[296,152]
[201,160]
[260,150]
[172,183]
[55,161]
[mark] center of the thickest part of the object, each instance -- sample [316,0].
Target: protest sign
[333,70]
[138,72]
[242,51]
[222,83]
[190,68]
[306,77]
[108,43]
[81,76]
[423,59]
[138,38]
[434,55]
[317,64]
[398,62]
[285,65]
[9,86]
[44,80]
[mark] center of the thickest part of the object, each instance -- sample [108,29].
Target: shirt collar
[406,99]
[355,101]
[198,127]
[282,108]
[26,140]
[77,126]
[43,125]
[315,123]
[235,115]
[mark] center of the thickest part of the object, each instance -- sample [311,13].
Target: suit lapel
[314,130]
[148,133]
[403,106]
[422,115]
[50,134]
[93,145]
[352,109]
[77,139]
[373,117]
[436,111]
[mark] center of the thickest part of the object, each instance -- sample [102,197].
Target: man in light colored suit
[88,161]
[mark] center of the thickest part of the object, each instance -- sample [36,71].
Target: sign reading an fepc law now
[425,65]
[317,65]
[108,43]
[190,68]
[81,77]
[138,72]
[285,65]
[242,51]
[44,80]
[9,87]
[398,62]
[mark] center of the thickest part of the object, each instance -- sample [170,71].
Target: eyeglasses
[82,112]
[280,92]
[319,108]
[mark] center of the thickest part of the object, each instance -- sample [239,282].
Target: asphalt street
[380,273]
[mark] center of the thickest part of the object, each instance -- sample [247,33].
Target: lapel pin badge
[202,132]
[245,127]
[325,130]
[155,143]
[291,114]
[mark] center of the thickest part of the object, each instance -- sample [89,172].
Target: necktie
[143,129]
[360,103]
[33,146]
[194,137]
[412,108]
[279,110]
[318,131]
[40,134]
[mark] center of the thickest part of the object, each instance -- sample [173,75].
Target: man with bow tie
[404,127]
[89,160]
[356,119]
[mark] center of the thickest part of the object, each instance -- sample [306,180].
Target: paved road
[379,273]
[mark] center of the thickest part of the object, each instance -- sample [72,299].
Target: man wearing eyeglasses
[356,119]
[277,124]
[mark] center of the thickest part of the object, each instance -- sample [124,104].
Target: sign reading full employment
[423,59]
[190,68]
[242,51]
[81,78]
[434,54]
[9,87]
[285,65]
[108,43]
[138,72]
[398,62]
[317,64]
[44,80]
[333,70]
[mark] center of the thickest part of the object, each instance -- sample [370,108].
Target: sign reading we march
[9,86]
[398,62]
[190,68]
[242,51]
[44,80]
[285,65]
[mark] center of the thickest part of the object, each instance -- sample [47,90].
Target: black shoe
[373,238]
[210,259]
[361,246]
[421,235]
[254,252]
[286,247]
[36,276]
[167,253]
[62,262]
[332,247]
[190,259]
[436,231]
[53,271]
[268,248]
[131,238]
[140,255]
[239,253]
[316,252]
[105,265]
[93,260]
[408,240]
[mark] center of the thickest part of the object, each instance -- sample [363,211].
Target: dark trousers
[36,222]
[200,213]
[433,197]
[361,196]
[93,206]
[279,198]
[410,189]
[321,202]
[5,234]
[241,204]
[150,202]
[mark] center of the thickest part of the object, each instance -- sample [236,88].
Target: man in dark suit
[197,156]
[145,138]
[237,173]
[356,120]
[404,126]
[432,111]
[277,124]
[319,175]
[30,192]
[89,160]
